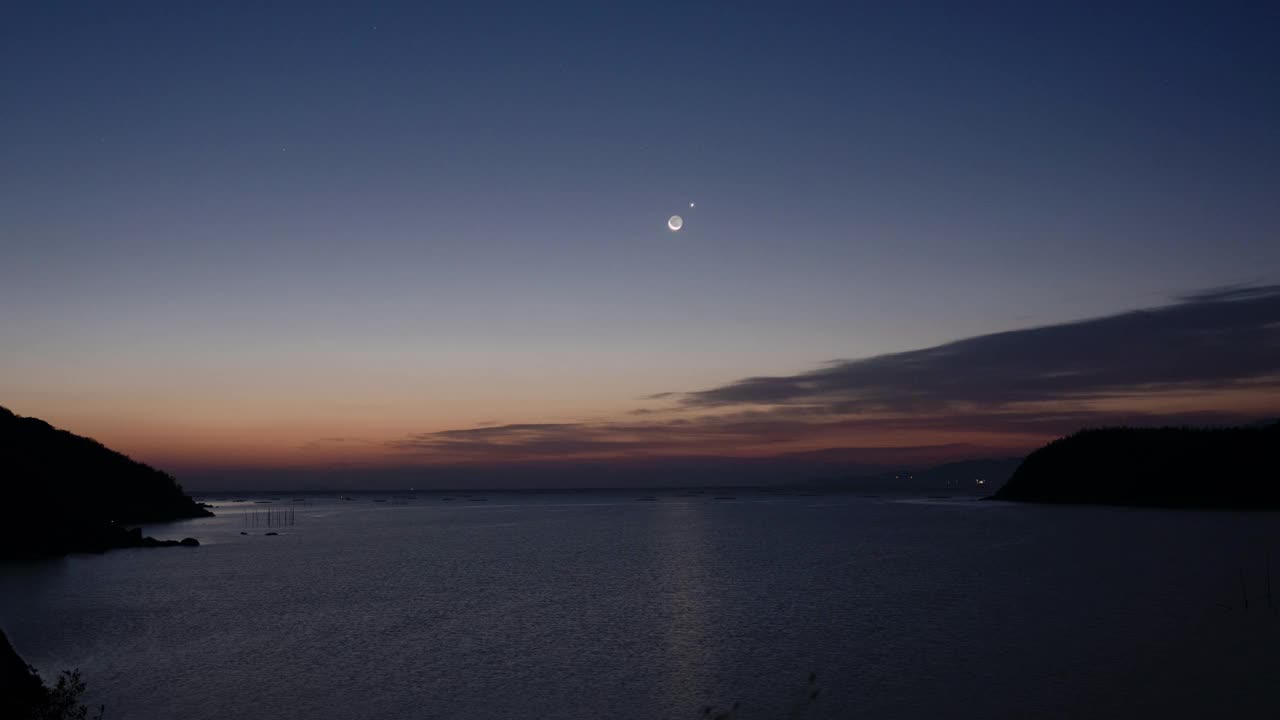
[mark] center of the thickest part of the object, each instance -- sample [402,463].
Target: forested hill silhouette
[1170,467]
[64,493]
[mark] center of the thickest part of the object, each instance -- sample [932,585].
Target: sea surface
[600,604]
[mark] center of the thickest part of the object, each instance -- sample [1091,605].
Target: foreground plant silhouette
[24,696]
[63,700]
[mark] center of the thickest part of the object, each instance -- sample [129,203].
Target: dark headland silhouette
[1237,467]
[66,493]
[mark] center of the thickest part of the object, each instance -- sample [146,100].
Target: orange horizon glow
[316,442]
[995,394]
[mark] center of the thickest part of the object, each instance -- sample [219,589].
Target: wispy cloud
[1206,358]
[560,440]
[1209,341]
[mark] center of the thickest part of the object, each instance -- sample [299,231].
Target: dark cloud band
[1029,384]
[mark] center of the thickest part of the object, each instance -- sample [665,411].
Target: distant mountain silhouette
[65,493]
[1170,467]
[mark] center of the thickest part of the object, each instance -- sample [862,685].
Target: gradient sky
[290,235]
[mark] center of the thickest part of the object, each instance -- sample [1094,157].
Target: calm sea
[592,605]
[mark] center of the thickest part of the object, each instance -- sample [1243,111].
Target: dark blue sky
[383,219]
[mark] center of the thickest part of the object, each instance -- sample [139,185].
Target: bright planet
[675,223]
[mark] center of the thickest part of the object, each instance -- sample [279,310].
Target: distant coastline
[65,493]
[1177,467]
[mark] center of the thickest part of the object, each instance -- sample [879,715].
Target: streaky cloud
[1212,340]
[1208,358]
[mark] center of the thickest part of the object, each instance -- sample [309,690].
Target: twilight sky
[245,238]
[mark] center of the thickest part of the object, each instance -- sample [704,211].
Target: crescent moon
[675,223]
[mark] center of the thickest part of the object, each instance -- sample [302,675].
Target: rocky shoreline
[95,539]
